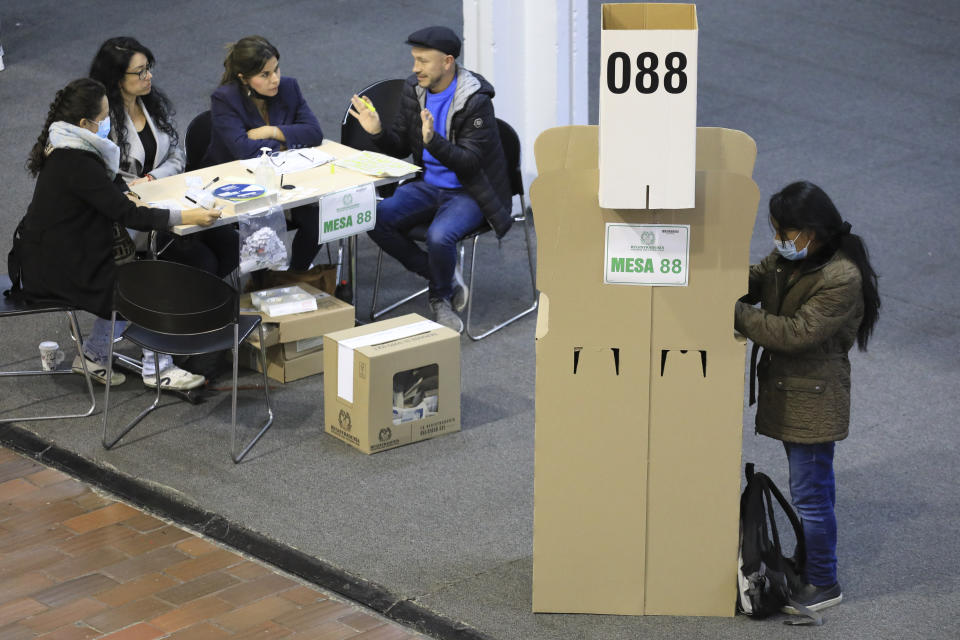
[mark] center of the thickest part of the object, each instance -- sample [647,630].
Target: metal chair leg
[374,314]
[78,341]
[468,328]
[237,457]
[109,443]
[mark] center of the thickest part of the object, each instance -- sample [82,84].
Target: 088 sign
[647,79]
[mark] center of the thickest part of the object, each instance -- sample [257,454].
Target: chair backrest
[198,139]
[511,149]
[385,96]
[173,298]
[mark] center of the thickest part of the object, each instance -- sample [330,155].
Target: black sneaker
[815,598]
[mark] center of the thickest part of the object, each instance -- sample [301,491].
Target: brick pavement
[78,565]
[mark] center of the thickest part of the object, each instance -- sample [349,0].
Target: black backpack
[765,578]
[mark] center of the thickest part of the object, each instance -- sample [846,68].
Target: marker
[369,104]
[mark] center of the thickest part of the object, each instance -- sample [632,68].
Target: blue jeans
[813,491]
[451,214]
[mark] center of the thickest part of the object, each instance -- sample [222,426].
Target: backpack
[765,578]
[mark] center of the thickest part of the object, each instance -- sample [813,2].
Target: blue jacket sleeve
[230,125]
[300,127]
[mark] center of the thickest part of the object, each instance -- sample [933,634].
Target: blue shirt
[439,105]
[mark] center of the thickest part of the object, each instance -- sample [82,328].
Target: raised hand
[363,110]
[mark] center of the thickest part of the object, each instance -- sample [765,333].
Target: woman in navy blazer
[253,108]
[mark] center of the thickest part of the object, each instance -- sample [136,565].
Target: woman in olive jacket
[818,296]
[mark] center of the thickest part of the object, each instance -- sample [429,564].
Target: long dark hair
[109,66]
[78,100]
[803,205]
[246,57]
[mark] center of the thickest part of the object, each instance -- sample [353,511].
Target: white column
[535,54]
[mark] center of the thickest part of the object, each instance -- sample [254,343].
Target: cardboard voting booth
[639,384]
[391,383]
[648,105]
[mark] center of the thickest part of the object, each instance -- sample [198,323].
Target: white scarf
[64,135]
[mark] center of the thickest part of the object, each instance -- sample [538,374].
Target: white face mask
[788,248]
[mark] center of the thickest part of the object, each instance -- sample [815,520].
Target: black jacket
[471,148]
[66,250]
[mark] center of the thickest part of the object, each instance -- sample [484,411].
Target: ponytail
[854,248]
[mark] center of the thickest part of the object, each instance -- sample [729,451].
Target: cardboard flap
[725,150]
[646,15]
[576,146]
[573,147]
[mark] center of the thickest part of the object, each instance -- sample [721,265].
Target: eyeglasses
[142,74]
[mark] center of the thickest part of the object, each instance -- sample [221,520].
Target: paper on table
[179,205]
[293,160]
[377,164]
[346,348]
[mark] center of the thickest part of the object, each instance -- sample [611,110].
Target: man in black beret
[445,119]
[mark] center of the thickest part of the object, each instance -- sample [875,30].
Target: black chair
[11,306]
[180,310]
[197,140]
[385,96]
[511,149]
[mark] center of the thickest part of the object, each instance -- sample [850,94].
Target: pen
[369,104]
[196,203]
[281,180]
[249,171]
[136,195]
[308,158]
[210,183]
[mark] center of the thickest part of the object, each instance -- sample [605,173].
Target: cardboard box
[648,105]
[294,342]
[639,393]
[391,383]
[280,367]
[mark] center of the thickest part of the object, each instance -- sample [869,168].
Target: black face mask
[253,94]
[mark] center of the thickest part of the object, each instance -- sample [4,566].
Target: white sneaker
[459,298]
[174,378]
[97,371]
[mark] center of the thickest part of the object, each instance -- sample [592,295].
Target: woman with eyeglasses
[255,107]
[73,235]
[144,130]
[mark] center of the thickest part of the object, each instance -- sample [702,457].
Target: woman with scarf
[255,107]
[143,128]
[74,232]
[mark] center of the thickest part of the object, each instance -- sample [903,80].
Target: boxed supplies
[391,383]
[639,386]
[280,367]
[648,105]
[294,342]
[283,301]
